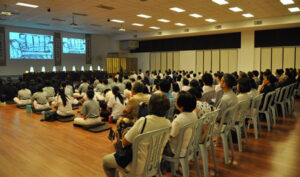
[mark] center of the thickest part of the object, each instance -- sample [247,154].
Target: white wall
[100,48]
[246,52]
[187,60]
[143,60]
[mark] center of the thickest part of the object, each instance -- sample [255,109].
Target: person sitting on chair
[243,87]
[39,99]
[63,104]
[24,95]
[90,114]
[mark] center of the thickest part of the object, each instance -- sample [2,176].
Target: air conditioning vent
[57,19]
[96,25]
[43,24]
[159,33]
[129,45]
[186,30]
[105,7]
[218,27]
[79,14]
[135,36]
[257,22]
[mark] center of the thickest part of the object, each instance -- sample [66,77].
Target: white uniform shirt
[117,107]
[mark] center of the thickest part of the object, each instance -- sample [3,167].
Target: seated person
[202,107]
[243,87]
[253,92]
[9,92]
[266,87]
[127,91]
[90,114]
[49,90]
[103,111]
[83,88]
[69,92]
[115,104]
[63,104]
[176,89]
[186,103]
[158,105]
[24,95]
[39,99]
[185,86]
[208,83]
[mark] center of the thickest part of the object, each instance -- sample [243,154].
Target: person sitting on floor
[115,104]
[39,99]
[63,104]
[49,90]
[90,114]
[24,95]
[83,88]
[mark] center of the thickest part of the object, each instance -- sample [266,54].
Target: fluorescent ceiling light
[294,9]
[196,15]
[287,2]
[154,27]
[210,20]
[220,2]
[137,24]
[176,9]
[179,24]
[236,9]
[248,15]
[117,21]
[143,16]
[163,20]
[27,5]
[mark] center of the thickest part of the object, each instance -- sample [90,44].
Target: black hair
[165,85]
[230,80]
[23,85]
[252,84]
[132,80]
[175,87]
[138,87]
[120,79]
[244,85]
[243,74]
[145,91]
[194,83]
[128,86]
[207,79]
[62,95]
[159,104]
[255,73]
[40,88]
[102,105]
[185,82]
[139,78]
[116,92]
[105,81]
[186,101]
[196,92]
[115,79]
[90,94]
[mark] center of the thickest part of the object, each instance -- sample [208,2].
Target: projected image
[73,45]
[30,46]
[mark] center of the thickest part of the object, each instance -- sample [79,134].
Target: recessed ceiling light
[236,9]
[210,20]
[294,9]
[248,15]
[287,2]
[176,9]
[144,16]
[179,24]
[220,2]
[137,24]
[163,20]
[27,5]
[196,15]
[154,27]
[117,21]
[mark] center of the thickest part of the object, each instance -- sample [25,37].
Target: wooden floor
[30,148]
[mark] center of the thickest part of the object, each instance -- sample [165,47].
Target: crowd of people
[173,98]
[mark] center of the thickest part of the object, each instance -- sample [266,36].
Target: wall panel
[232,60]
[188,60]
[215,60]
[277,54]
[199,61]
[289,57]
[265,59]
[157,61]
[170,60]
[224,60]
[163,61]
[152,61]
[207,60]
[176,60]
[298,58]
[257,59]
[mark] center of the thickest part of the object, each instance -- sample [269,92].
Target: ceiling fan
[73,22]
[6,12]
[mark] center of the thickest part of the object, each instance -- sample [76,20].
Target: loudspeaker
[2,47]
[57,49]
[88,47]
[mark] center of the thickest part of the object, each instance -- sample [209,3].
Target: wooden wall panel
[215,60]
[199,60]
[224,60]
[289,57]
[207,60]
[277,54]
[265,59]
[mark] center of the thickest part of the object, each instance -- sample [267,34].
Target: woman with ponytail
[63,103]
[116,104]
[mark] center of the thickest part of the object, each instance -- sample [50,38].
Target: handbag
[123,156]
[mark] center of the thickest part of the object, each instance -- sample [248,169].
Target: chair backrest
[186,130]
[219,95]
[210,120]
[207,96]
[277,94]
[282,94]
[242,108]
[227,119]
[291,90]
[157,140]
[256,101]
[267,101]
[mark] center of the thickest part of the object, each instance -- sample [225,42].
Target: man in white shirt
[208,83]
[185,86]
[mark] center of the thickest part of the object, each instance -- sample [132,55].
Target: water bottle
[28,109]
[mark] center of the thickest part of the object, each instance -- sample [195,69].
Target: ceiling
[96,20]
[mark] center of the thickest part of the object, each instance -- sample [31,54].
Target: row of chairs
[234,118]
